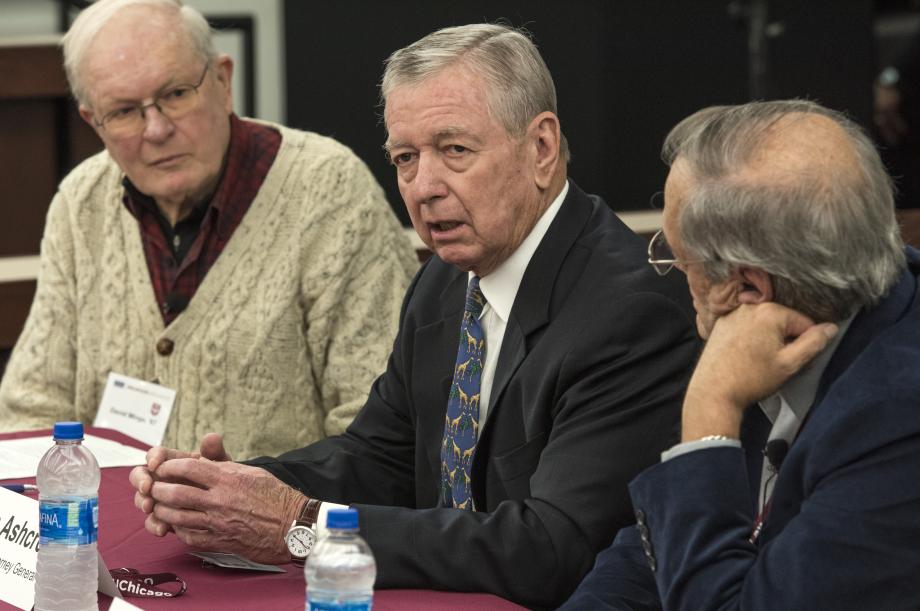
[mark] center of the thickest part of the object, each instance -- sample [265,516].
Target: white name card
[18,548]
[136,408]
[19,552]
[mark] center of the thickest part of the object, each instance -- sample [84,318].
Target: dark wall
[625,70]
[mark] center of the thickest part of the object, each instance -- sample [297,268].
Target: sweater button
[165,346]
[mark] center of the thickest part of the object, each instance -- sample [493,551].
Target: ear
[756,285]
[223,71]
[545,134]
[87,115]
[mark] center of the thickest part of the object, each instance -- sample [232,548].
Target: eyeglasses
[662,257]
[173,103]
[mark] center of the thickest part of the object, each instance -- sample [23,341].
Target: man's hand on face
[749,355]
[214,504]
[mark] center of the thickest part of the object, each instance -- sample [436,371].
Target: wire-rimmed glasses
[130,120]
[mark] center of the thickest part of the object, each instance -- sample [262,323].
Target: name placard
[136,408]
[18,548]
[19,552]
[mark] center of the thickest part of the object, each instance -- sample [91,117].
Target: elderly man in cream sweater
[255,269]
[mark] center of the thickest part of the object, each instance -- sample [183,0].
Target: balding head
[181,21]
[792,188]
[801,146]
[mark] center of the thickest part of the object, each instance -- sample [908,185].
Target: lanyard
[130,582]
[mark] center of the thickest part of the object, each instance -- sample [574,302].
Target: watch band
[309,512]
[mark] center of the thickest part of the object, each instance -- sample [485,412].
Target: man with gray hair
[538,366]
[254,269]
[795,485]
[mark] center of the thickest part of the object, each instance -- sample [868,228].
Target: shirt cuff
[321,516]
[693,446]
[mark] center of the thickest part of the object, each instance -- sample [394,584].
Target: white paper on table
[20,457]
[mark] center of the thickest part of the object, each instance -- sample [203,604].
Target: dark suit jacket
[587,392]
[843,531]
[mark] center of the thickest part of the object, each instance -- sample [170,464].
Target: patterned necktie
[461,425]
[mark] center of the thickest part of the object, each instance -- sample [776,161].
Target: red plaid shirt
[250,155]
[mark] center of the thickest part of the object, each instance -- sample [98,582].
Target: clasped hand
[215,504]
[749,355]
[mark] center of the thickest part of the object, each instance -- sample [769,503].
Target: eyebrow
[448,132]
[169,84]
[389,146]
[452,132]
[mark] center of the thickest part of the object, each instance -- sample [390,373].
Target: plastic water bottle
[68,489]
[341,570]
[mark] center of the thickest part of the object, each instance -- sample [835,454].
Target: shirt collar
[231,173]
[799,391]
[501,286]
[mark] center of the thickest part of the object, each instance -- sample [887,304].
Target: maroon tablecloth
[124,543]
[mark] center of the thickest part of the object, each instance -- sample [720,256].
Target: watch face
[300,540]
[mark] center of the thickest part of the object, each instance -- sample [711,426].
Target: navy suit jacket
[843,531]
[587,392]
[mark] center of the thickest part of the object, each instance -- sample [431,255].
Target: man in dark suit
[499,464]
[781,215]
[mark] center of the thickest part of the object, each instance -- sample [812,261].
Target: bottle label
[332,606]
[68,522]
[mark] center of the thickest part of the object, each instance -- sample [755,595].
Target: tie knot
[475,300]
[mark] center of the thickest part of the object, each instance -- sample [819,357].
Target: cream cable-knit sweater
[279,345]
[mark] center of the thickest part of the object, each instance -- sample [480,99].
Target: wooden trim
[32,71]
[643,222]
[18,269]
[33,40]
[14,269]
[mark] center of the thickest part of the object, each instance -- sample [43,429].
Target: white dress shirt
[500,289]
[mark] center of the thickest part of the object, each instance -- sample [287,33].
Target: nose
[157,126]
[429,178]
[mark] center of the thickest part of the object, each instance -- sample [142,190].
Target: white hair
[520,85]
[80,36]
[828,236]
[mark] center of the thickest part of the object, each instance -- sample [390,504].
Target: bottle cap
[342,518]
[68,430]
